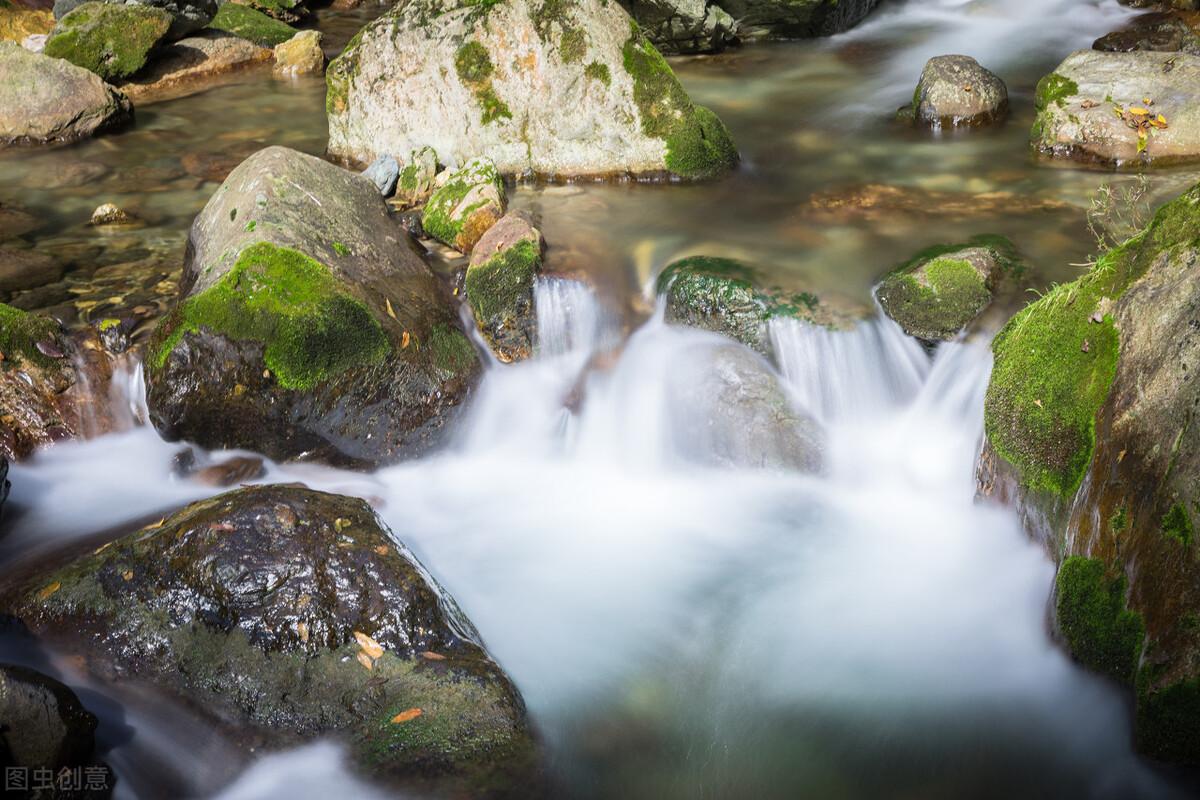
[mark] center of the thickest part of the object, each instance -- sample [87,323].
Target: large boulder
[247,23]
[558,89]
[1120,108]
[187,16]
[192,64]
[499,285]
[45,726]
[1163,32]
[1090,420]
[307,323]
[684,26]
[795,19]
[112,40]
[286,614]
[955,91]
[49,100]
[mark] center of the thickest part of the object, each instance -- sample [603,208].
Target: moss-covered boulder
[109,39]
[938,293]
[550,87]
[469,201]
[286,614]
[192,65]
[415,182]
[289,11]
[730,297]
[307,323]
[187,16]
[1090,417]
[956,92]
[46,99]
[248,23]
[499,284]
[1093,108]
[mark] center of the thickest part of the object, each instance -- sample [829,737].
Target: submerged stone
[112,40]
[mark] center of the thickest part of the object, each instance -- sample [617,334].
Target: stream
[678,629]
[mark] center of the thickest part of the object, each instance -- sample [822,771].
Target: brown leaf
[371,647]
[404,339]
[382,549]
[302,630]
[405,716]
[49,590]
[1088,104]
[366,661]
[429,655]
[127,574]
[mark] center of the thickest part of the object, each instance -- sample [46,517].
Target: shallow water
[676,630]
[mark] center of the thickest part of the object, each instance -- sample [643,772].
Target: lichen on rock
[465,205]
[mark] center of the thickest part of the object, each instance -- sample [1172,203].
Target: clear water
[679,630]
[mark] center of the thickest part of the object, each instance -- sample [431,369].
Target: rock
[499,284]
[109,39]
[15,221]
[558,89]
[35,42]
[194,64]
[249,24]
[883,201]
[48,100]
[468,202]
[383,172]
[300,55]
[735,412]
[954,92]
[1088,418]
[289,11]
[109,214]
[333,338]
[1091,108]
[938,293]
[795,19]
[187,16]
[16,24]
[26,268]
[34,379]
[5,484]
[231,471]
[1156,31]
[726,296]
[287,614]
[684,26]
[415,183]
[45,725]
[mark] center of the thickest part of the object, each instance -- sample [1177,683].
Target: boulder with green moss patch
[416,180]
[520,83]
[112,40]
[934,297]
[1093,108]
[45,99]
[1090,418]
[499,284]
[468,202]
[955,91]
[684,26]
[187,16]
[250,24]
[290,614]
[307,323]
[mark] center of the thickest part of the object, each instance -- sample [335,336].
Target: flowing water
[677,629]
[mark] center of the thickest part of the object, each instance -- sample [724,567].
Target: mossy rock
[334,338]
[293,614]
[938,293]
[499,285]
[1100,631]
[35,373]
[248,23]
[728,296]
[469,201]
[286,11]
[110,39]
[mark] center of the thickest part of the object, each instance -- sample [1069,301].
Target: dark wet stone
[231,471]
[26,268]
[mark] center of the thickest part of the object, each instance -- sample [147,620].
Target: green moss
[112,40]
[310,328]
[452,351]
[698,143]
[1167,726]
[1178,525]
[952,294]
[1100,631]
[493,107]
[473,63]
[339,75]
[250,226]
[598,71]
[249,24]
[20,332]
[278,9]
[108,323]
[496,287]
[1054,88]
[340,249]
[1054,366]
[442,218]
[1119,520]
[572,45]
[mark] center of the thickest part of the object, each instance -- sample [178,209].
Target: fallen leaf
[404,339]
[302,631]
[1038,403]
[382,549]
[366,661]
[49,590]
[405,716]
[371,647]
[390,312]
[429,655]
[127,574]
[1120,456]
[341,523]
[220,526]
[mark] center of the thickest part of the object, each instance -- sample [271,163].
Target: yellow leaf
[1138,111]
[371,647]
[366,661]
[49,590]
[390,312]
[404,338]
[1161,118]
[127,574]
[341,523]
[405,716]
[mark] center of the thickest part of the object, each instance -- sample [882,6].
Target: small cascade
[570,320]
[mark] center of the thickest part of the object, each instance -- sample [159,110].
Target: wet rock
[289,11]
[249,24]
[112,40]
[684,26]
[231,471]
[23,268]
[1089,420]
[558,89]
[110,214]
[193,64]
[5,484]
[416,181]
[332,337]
[289,614]
[795,19]
[1157,31]
[955,91]
[114,333]
[383,172]
[726,296]
[186,16]
[735,412]
[938,293]
[15,221]
[44,99]
[34,409]
[300,55]
[1120,108]
[467,202]
[499,285]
